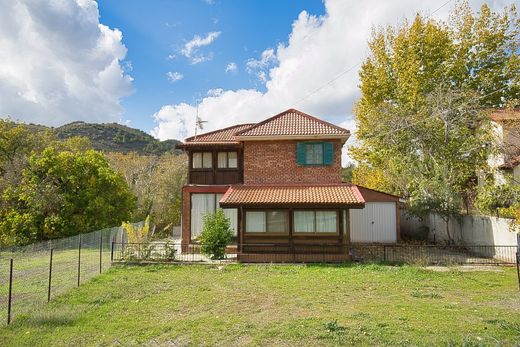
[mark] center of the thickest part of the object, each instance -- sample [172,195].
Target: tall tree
[63,193]
[424,85]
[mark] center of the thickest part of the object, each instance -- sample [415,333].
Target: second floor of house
[289,148]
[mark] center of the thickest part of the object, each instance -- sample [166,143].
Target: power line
[352,67]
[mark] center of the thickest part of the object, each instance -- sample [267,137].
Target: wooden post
[50,278]
[9,302]
[79,259]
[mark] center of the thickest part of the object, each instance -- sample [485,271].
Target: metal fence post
[9,302]
[112,252]
[79,259]
[50,277]
[518,267]
[100,253]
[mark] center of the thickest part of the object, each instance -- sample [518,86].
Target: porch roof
[300,195]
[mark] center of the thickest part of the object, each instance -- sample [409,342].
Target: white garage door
[375,223]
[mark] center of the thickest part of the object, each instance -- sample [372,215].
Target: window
[315,221]
[273,221]
[202,204]
[227,160]
[202,160]
[315,153]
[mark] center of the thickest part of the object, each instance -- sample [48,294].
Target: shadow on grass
[373,264]
[46,319]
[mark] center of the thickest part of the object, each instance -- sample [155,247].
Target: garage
[378,222]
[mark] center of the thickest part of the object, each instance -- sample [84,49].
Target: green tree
[424,85]
[156,182]
[216,234]
[64,193]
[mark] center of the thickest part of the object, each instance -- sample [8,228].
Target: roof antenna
[199,123]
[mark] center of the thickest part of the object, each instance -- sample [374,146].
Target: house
[506,130]
[279,182]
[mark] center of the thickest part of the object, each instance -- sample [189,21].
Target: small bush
[137,234]
[216,235]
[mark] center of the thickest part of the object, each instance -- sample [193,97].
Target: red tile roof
[500,115]
[292,123]
[226,135]
[313,195]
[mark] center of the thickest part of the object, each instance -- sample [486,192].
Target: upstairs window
[315,153]
[227,160]
[202,160]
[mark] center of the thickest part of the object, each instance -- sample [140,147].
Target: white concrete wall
[470,230]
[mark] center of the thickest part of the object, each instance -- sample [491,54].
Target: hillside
[113,137]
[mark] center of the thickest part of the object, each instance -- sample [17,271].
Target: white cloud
[231,67]
[215,92]
[259,67]
[174,76]
[190,49]
[58,63]
[316,71]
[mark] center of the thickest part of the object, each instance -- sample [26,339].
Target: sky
[148,64]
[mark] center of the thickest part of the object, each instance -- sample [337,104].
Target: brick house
[279,182]
[506,131]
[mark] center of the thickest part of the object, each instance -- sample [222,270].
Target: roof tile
[292,123]
[226,135]
[339,194]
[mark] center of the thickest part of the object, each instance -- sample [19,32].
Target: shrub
[503,200]
[136,233]
[216,235]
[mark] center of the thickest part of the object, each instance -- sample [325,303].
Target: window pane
[232,160]
[304,221]
[197,160]
[255,222]
[326,221]
[201,204]
[222,160]
[232,215]
[309,152]
[318,153]
[278,221]
[206,160]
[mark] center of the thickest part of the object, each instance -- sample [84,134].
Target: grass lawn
[278,305]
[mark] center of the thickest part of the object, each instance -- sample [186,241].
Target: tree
[216,234]
[421,128]
[156,182]
[64,193]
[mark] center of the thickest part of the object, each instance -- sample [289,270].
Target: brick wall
[274,162]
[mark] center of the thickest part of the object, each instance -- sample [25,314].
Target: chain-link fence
[32,275]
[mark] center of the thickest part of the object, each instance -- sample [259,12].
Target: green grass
[278,305]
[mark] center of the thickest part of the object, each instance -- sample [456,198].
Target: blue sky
[152,31]
[147,63]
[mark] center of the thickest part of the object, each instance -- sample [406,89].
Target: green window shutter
[328,153]
[300,153]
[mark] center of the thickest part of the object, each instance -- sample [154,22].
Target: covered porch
[293,223]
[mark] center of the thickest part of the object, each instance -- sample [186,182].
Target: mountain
[113,137]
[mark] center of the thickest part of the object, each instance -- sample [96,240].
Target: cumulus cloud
[259,67]
[174,76]
[191,48]
[315,71]
[58,63]
[231,67]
